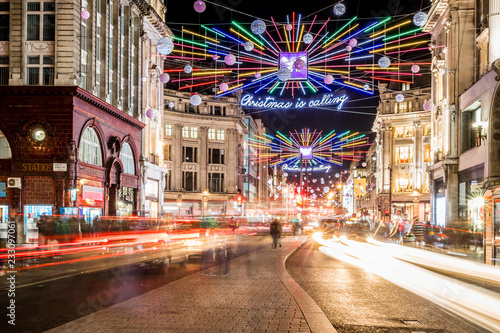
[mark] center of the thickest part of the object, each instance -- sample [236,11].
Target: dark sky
[222,12]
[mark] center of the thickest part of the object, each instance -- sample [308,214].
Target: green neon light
[247,33]
[213,31]
[355,138]
[378,24]
[343,134]
[273,88]
[326,137]
[338,31]
[402,34]
[190,41]
[311,86]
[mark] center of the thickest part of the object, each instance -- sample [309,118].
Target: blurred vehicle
[437,239]
[199,235]
[409,238]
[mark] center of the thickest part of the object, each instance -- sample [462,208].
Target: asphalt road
[355,300]
[51,303]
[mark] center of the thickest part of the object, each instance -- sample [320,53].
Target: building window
[189,181]
[167,152]
[168,129]
[4,21]
[35,67]
[404,182]
[5,151]
[41,21]
[216,182]
[403,132]
[211,134]
[190,154]
[127,158]
[220,135]
[405,86]
[185,132]
[4,70]
[427,129]
[403,107]
[90,148]
[427,153]
[168,181]
[216,156]
[194,132]
[403,155]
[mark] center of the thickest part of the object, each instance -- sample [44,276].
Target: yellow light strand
[398,46]
[389,29]
[354,84]
[286,37]
[193,53]
[327,70]
[210,73]
[300,38]
[205,37]
[377,68]
[336,38]
[232,88]
[245,38]
[262,72]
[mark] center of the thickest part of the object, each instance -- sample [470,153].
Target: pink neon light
[191,47]
[400,40]
[419,49]
[317,35]
[177,57]
[351,78]
[314,19]
[393,73]
[197,78]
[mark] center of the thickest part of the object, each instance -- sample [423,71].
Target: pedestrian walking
[275,231]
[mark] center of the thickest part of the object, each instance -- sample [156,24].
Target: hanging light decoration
[164,78]
[230,59]
[151,113]
[85,14]
[339,9]
[329,79]
[348,48]
[195,99]
[249,46]
[384,62]
[257,75]
[353,42]
[400,98]
[415,69]
[258,27]
[289,27]
[308,38]
[284,74]
[420,19]
[188,69]
[164,46]
[299,64]
[366,86]
[363,164]
[215,57]
[199,6]
[428,105]
[224,87]
[171,105]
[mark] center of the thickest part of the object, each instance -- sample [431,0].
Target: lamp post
[203,201]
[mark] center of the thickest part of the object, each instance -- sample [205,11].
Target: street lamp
[204,199]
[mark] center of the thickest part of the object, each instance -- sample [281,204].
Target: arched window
[127,159]
[4,147]
[90,148]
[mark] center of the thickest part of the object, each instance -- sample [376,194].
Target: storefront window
[4,213]
[476,213]
[127,158]
[496,229]
[31,215]
[4,147]
[403,155]
[90,148]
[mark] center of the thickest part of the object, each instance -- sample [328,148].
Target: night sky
[358,112]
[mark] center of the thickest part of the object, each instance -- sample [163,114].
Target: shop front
[492,225]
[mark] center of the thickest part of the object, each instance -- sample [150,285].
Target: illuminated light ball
[288,27]
[366,87]
[85,14]
[258,27]
[308,38]
[188,69]
[224,87]
[353,42]
[249,46]
[348,48]
[199,6]
[215,57]
[428,105]
[326,189]
[150,113]
[284,74]
[299,64]
[164,46]
[363,164]
[257,75]
[420,19]
[328,79]
[345,171]
[415,68]
[171,105]
[442,71]
[164,78]
[339,9]
[400,98]
[230,59]
[195,99]
[384,62]
[337,175]
[315,180]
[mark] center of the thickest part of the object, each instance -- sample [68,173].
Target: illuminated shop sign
[296,168]
[271,102]
[92,193]
[306,153]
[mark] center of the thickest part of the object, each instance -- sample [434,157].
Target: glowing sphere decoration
[284,74]
[308,38]
[337,175]
[415,69]
[353,42]
[384,62]
[224,87]
[366,87]
[215,57]
[420,19]
[249,46]
[299,64]
[428,105]
[150,113]
[258,27]
[289,27]
[188,69]
[171,105]
[257,75]
[85,14]
[328,79]
[195,100]
[200,6]
[326,189]
[348,48]
[339,9]
[164,46]
[363,164]
[442,71]
[230,59]
[400,98]
[164,78]
[315,180]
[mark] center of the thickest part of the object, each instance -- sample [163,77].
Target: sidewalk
[258,295]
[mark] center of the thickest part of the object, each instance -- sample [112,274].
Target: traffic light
[239,199]
[379,209]
[387,212]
